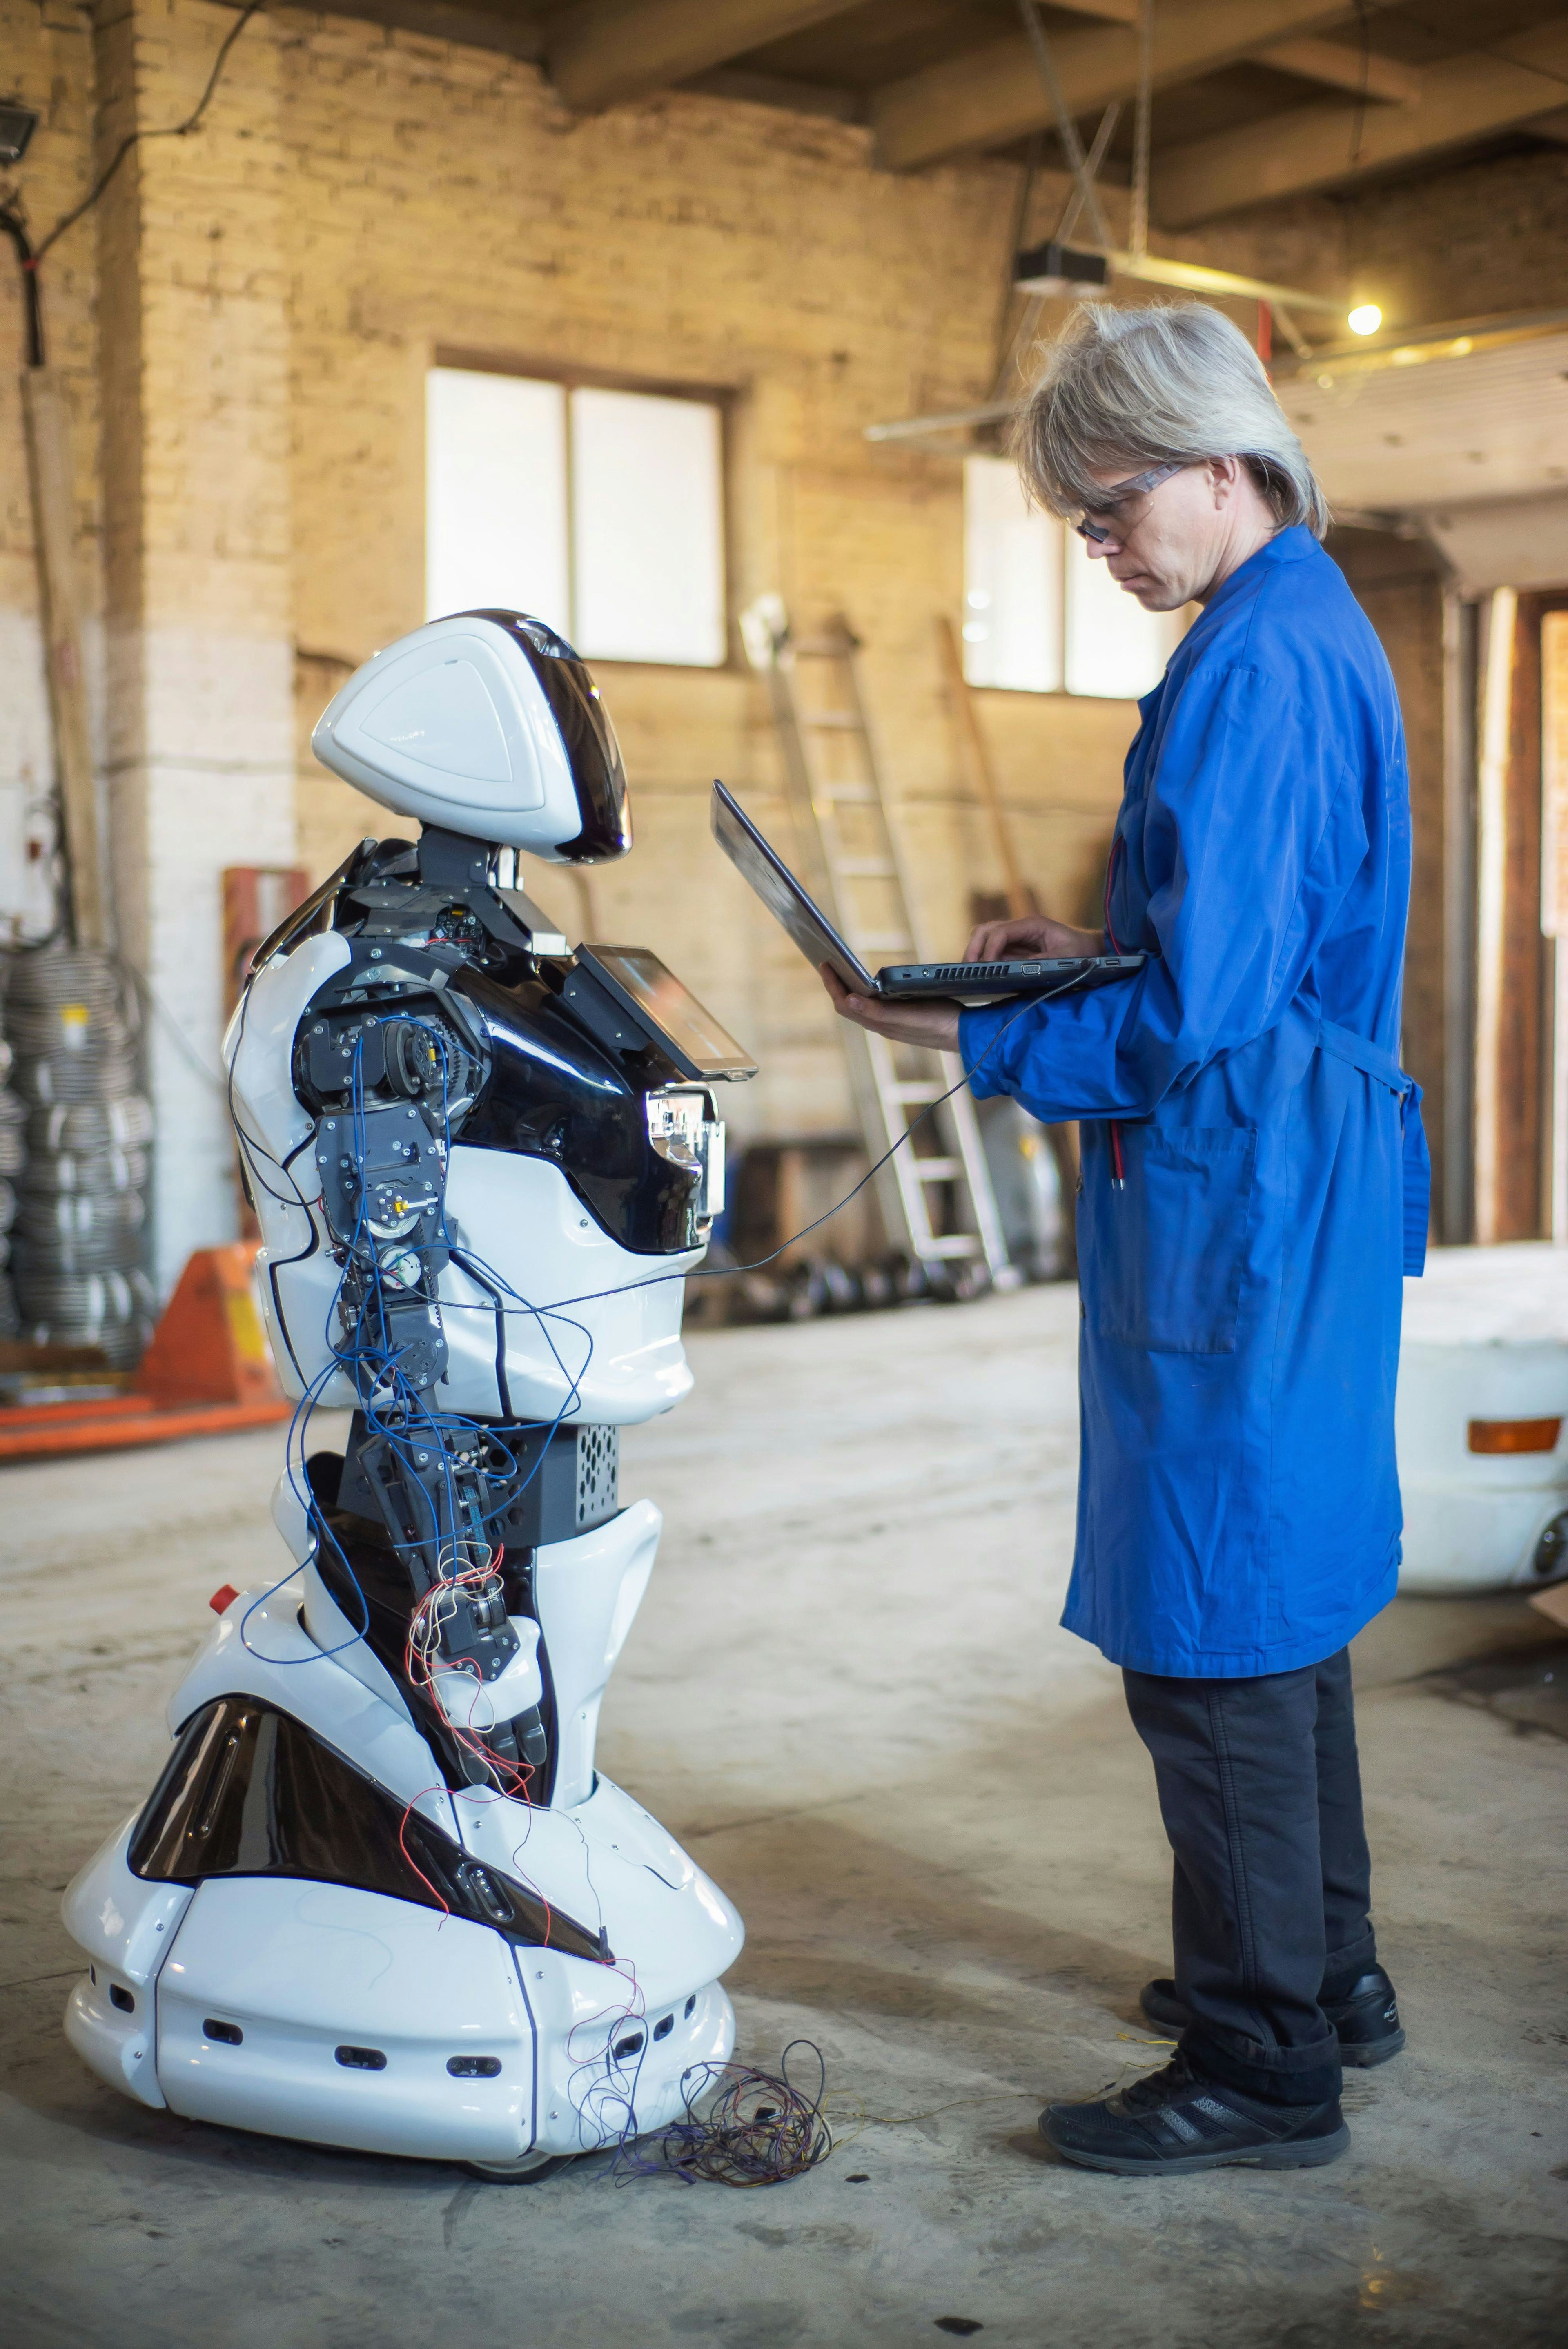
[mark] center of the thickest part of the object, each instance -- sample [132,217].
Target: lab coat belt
[1344,1044]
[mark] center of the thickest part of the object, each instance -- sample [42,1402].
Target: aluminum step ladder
[936,1191]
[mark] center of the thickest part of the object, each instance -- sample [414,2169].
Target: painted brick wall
[46,62]
[245,323]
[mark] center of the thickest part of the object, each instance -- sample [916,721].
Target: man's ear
[1223,474]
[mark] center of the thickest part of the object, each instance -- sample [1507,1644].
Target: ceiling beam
[1339,68]
[988,96]
[609,50]
[1462,99]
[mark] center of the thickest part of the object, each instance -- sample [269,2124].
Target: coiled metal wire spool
[50,1172]
[65,1020]
[114,1311]
[13,1132]
[82,1231]
[79,1242]
[89,1129]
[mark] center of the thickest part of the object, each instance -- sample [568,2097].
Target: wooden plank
[988,96]
[1335,65]
[1491,851]
[1462,99]
[54,519]
[612,50]
[982,774]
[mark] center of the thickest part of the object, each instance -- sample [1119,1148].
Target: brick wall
[245,323]
[48,54]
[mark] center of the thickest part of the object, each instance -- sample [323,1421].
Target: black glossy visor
[597,769]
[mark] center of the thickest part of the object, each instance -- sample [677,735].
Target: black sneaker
[1176,2120]
[1366,2018]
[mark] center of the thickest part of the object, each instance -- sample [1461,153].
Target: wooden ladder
[857,873]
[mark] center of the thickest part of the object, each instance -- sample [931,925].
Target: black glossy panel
[595,754]
[250,1791]
[554,1092]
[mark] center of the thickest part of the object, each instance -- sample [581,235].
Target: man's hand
[934,1024]
[1029,936]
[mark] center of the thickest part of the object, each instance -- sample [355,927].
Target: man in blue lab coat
[1253,1185]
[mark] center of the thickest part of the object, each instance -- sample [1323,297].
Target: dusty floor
[849,1694]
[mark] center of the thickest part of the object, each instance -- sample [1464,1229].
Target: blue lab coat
[1238,1501]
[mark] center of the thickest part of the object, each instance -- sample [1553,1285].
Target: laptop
[981,982]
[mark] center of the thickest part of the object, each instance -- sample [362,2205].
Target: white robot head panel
[486,724]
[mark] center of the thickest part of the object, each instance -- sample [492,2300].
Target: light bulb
[1364,319]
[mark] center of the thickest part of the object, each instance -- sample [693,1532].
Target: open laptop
[901,982]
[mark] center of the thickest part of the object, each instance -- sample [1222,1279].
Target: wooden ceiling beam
[989,95]
[1462,99]
[1337,66]
[609,50]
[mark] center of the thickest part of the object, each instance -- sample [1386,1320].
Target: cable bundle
[82,1190]
[758,2130]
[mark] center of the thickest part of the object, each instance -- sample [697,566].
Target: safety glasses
[1138,486]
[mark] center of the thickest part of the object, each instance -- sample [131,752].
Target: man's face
[1164,544]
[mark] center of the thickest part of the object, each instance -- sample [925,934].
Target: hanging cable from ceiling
[1046,64]
[1138,235]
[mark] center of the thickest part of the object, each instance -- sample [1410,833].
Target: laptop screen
[698,1044]
[783,896]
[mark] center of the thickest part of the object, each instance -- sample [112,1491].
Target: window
[1038,615]
[600,511]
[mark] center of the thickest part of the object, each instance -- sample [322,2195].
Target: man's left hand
[932,1024]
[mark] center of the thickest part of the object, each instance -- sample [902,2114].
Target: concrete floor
[849,1694]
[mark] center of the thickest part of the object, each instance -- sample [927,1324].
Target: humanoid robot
[380,1897]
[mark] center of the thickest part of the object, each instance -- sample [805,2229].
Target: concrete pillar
[199,639]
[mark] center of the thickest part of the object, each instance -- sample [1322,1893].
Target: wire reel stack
[13,1150]
[82,1207]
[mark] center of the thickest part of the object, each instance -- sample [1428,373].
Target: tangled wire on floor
[758,2130]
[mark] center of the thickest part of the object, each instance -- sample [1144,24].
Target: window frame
[1064,691]
[571,377]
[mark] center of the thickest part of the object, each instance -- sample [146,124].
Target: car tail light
[1513,1434]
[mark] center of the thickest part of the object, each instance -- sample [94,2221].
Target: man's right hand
[1029,936]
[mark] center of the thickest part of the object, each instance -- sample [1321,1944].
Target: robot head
[487,724]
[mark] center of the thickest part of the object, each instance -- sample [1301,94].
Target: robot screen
[642,985]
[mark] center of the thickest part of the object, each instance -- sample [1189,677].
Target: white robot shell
[486,724]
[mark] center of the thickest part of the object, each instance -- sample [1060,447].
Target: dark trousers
[1261,1793]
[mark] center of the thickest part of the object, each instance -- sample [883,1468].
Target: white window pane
[647,528]
[495,491]
[1011,582]
[1115,647]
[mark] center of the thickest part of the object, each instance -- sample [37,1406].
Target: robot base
[321,2010]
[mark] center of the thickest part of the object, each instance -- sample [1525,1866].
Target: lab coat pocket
[1166,1253]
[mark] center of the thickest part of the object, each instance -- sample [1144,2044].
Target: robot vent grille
[598,1475]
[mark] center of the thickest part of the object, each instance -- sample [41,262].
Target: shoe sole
[1362,2057]
[1311,2153]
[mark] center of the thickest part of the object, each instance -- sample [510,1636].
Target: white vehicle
[1482,1419]
[380,1897]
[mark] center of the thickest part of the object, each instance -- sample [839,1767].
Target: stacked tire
[79,1233]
